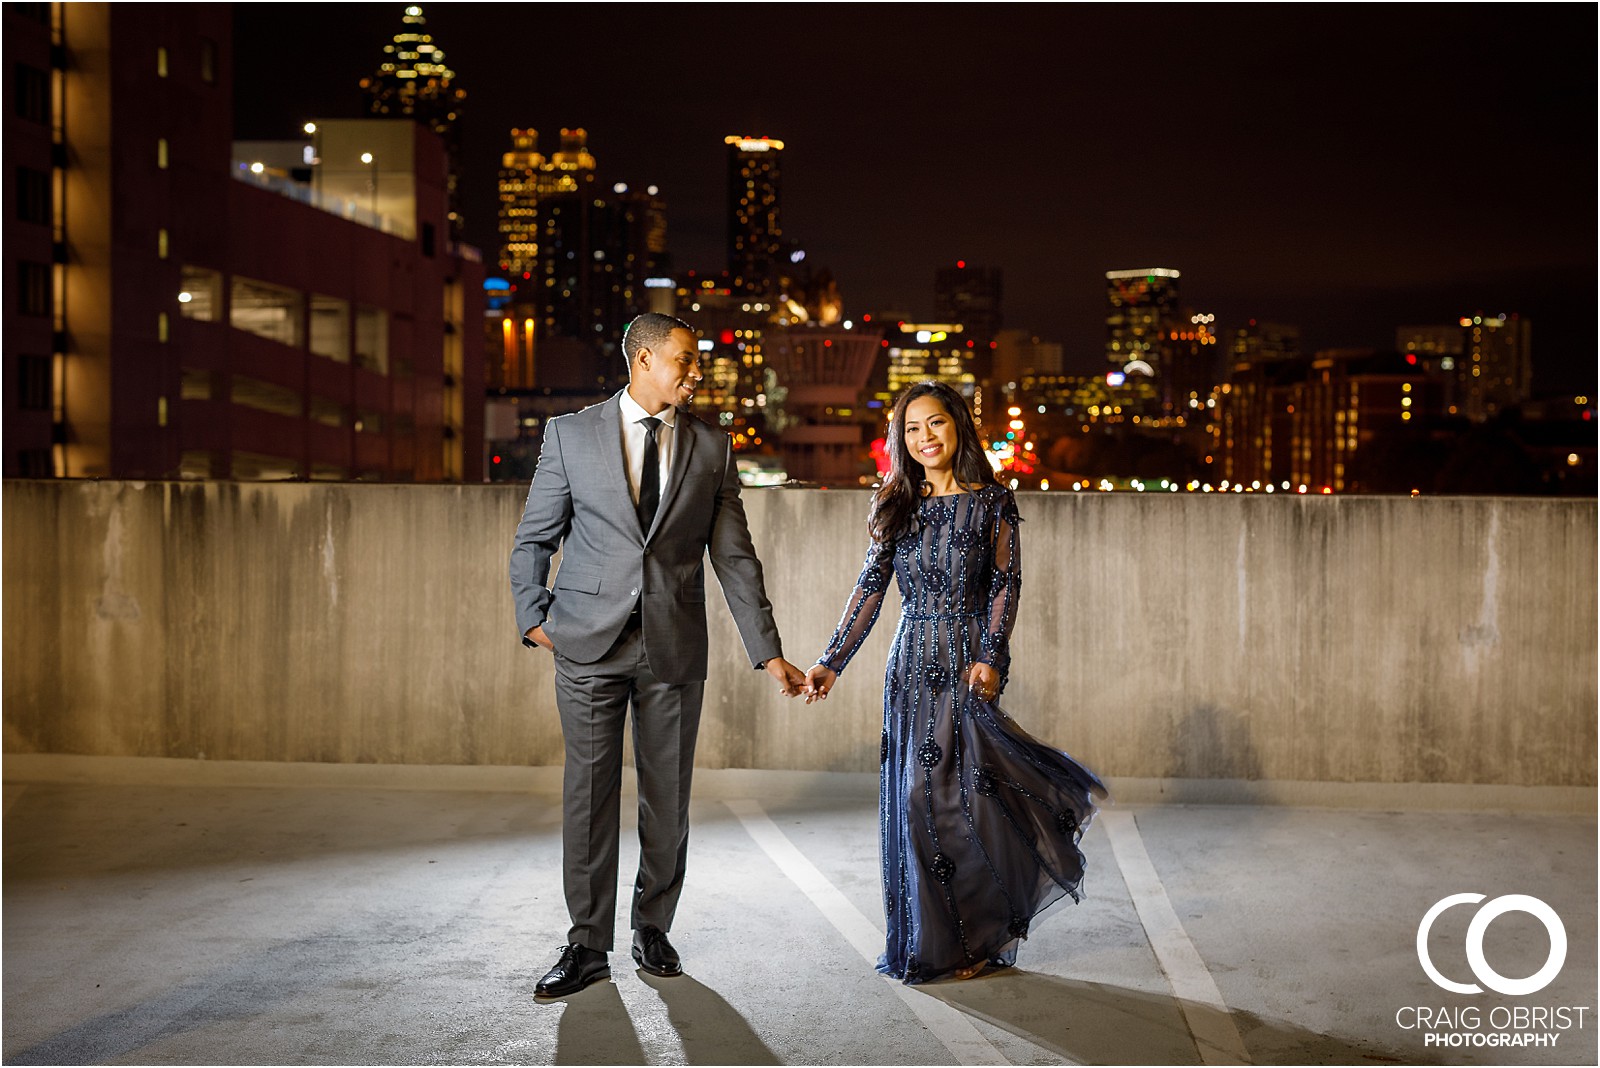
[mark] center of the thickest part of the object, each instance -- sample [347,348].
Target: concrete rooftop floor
[164,923]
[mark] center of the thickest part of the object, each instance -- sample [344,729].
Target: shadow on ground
[1092,1023]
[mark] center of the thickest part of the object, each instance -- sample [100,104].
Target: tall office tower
[187,306]
[1495,371]
[597,248]
[414,82]
[1138,302]
[564,170]
[970,296]
[755,223]
[520,171]
[1188,359]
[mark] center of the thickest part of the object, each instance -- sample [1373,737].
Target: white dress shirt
[633,441]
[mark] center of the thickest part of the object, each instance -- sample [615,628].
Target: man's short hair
[652,331]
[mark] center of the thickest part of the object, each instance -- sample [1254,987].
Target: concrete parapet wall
[1310,639]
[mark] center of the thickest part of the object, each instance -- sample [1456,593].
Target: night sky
[1345,168]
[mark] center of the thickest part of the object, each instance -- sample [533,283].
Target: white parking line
[1210,1023]
[946,1023]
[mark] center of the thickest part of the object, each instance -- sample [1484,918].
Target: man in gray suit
[634,491]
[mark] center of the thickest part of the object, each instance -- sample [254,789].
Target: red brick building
[176,311]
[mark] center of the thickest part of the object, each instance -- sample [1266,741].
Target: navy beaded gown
[978,822]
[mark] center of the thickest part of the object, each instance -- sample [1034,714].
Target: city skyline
[1352,172]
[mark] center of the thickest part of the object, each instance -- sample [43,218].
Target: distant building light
[257,168]
[184,298]
[797,255]
[658,283]
[310,127]
[1115,378]
[620,187]
[1158,272]
[754,144]
[366,157]
[706,346]
[652,189]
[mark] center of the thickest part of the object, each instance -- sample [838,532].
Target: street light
[372,180]
[316,159]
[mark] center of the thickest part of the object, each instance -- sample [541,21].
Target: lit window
[372,339]
[161,153]
[330,327]
[267,311]
[161,62]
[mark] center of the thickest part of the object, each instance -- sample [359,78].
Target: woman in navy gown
[978,822]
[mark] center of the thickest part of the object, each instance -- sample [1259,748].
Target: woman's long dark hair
[896,500]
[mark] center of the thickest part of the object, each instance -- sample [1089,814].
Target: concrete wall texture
[1316,639]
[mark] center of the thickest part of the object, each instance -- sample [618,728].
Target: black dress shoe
[653,953]
[578,967]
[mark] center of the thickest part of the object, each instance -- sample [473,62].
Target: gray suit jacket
[579,502]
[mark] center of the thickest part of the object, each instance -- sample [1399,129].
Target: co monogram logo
[1475,931]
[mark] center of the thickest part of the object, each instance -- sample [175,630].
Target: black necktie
[650,477]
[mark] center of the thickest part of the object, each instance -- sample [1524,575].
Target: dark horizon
[1351,171]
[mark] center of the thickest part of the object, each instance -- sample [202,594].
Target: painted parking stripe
[1210,1023]
[945,1022]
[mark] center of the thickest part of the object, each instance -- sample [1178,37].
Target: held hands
[983,681]
[819,680]
[791,682]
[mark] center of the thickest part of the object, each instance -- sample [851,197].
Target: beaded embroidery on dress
[978,822]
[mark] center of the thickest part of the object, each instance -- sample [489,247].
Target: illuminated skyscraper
[414,82]
[528,177]
[596,250]
[755,225]
[520,171]
[970,296]
[1495,371]
[1188,358]
[1484,361]
[564,170]
[1138,302]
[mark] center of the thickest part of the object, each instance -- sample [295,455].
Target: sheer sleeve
[1005,586]
[866,600]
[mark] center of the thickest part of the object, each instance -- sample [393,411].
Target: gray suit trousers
[593,701]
